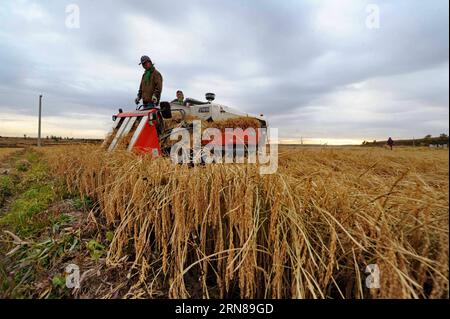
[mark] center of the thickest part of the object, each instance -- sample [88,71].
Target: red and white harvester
[146,131]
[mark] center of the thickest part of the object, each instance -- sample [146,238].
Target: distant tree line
[425,141]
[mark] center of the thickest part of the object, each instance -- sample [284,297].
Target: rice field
[308,231]
[4,152]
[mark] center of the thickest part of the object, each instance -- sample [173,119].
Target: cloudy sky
[328,71]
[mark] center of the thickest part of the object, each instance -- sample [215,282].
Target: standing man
[390,142]
[151,84]
[180,98]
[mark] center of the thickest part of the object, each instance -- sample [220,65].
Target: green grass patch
[83,203]
[6,188]
[32,262]
[96,249]
[23,165]
[22,210]
[33,195]
[33,213]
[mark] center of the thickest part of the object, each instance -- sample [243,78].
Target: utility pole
[39,126]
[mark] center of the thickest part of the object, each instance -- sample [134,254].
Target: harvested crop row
[238,122]
[308,231]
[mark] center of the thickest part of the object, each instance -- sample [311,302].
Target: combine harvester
[147,131]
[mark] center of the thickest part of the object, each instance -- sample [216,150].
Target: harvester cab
[147,130]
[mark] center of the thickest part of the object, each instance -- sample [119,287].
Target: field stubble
[6,151]
[308,231]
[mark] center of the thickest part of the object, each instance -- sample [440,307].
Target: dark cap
[144,59]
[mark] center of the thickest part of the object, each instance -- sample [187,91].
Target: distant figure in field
[390,142]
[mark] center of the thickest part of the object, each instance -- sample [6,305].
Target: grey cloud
[300,63]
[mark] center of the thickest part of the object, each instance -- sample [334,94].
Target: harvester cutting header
[147,128]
